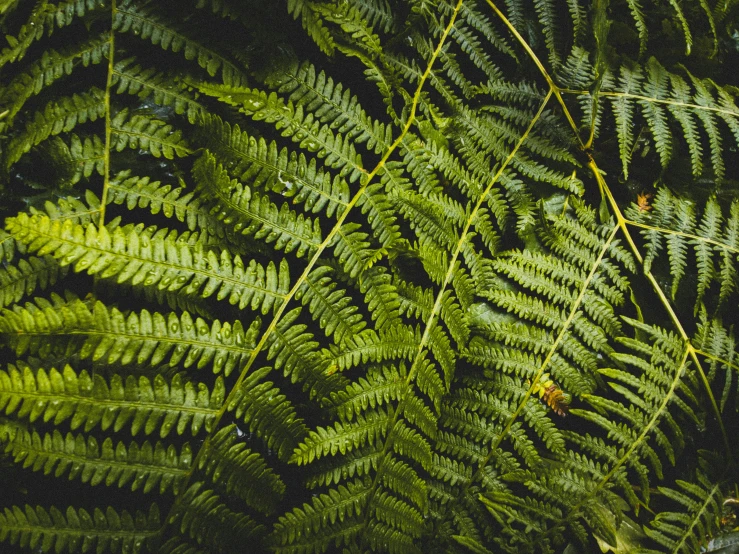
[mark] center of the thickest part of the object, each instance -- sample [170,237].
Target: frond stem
[715,358]
[553,86]
[623,224]
[108,130]
[642,436]
[681,234]
[615,94]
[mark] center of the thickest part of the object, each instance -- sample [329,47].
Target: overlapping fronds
[365,276]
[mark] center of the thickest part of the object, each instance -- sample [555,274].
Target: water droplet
[252,104]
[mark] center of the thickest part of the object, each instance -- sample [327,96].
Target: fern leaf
[624,111]
[340,109]
[381,386]
[146,133]
[242,472]
[105,530]
[78,159]
[255,214]
[159,198]
[700,503]
[50,67]
[205,518]
[342,438]
[30,273]
[142,20]
[264,165]
[331,308]
[141,338]
[368,346]
[293,121]
[145,466]
[357,463]
[154,260]
[268,413]
[91,400]
[131,78]
[397,514]
[306,530]
[58,116]
[717,341]
[43,21]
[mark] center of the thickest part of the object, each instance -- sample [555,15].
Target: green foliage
[367,276]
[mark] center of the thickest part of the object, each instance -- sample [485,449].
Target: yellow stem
[108,86]
[682,234]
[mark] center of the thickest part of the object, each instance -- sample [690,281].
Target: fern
[367,276]
[143,465]
[78,529]
[701,500]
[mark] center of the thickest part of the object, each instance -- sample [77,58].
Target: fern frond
[129,77]
[144,22]
[30,274]
[381,297]
[312,24]
[393,343]
[717,343]
[398,515]
[207,519]
[664,96]
[339,109]
[254,214]
[106,530]
[147,133]
[293,349]
[331,518]
[50,67]
[656,380]
[715,241]
[140,466]
[242,472]
[356,463]
[171,201]
[142,338]
[90,401]
[263,164]
[78,159]
[58,116]
[342,438]
[331,308]
[295,122]
[43,22]
[700,504]
[379,210]
[268,413]
[150,258]
[381,386]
